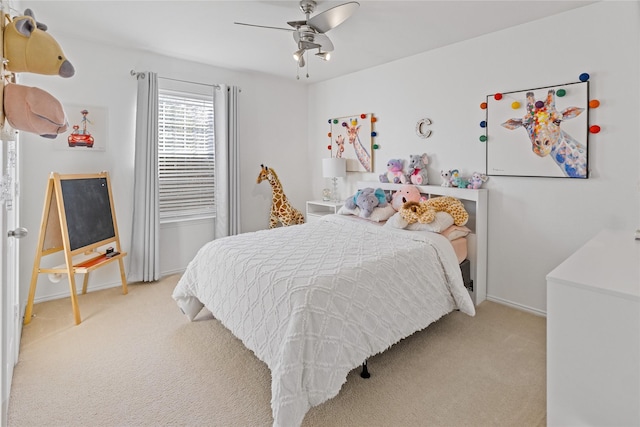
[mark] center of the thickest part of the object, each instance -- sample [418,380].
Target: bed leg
[365,372]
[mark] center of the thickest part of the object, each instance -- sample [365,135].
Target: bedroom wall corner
[271,133]
[534,223]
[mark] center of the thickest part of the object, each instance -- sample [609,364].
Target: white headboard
[475,202]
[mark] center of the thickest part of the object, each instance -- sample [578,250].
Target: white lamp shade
[334,167]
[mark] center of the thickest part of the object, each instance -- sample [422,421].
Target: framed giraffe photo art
[539,132]
[351,139]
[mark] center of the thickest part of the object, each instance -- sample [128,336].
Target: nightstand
[319,208]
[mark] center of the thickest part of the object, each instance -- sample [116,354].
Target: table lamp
[334,167]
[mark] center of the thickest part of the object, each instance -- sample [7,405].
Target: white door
[9,267]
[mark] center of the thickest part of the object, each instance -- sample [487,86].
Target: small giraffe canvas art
[539,132]
[281,210]
[351,139]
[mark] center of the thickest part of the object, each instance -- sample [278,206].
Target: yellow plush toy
[28,47]
[424,212]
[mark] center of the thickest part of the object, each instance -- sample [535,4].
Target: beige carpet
[135,360]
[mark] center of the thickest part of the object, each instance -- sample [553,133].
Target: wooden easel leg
[32,292]
[36,263]
[85,283]
[125,290]
[74,299]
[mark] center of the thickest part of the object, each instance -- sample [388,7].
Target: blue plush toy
[367,199]
[457,180]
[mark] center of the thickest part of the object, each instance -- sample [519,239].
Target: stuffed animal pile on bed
[415,212]
[425,212]
[29,48]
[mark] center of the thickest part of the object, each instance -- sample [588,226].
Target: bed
[314,301]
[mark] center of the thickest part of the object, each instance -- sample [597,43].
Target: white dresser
[593,334]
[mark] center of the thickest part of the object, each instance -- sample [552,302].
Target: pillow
[396,221]
[455,232]
[379,213]
[442,221]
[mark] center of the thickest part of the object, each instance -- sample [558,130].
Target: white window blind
[186,158]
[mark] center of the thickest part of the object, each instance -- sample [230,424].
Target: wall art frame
[352,139]
[88,129]
[541,132]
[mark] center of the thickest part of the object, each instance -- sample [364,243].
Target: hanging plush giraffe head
[542,122]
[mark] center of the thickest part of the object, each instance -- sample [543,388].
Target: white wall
[535,223]
[270,131]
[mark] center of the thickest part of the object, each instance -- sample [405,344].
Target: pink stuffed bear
[405,194]
[395,172]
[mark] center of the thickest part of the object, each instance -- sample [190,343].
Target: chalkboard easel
[79,219]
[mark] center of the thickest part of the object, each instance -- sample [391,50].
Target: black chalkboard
[87,205]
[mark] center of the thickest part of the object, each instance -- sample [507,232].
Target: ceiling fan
[310,33]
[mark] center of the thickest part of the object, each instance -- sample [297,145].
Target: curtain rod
[136,74]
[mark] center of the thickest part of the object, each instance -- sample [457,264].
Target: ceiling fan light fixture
[301,61]
[325,56]
[298,54]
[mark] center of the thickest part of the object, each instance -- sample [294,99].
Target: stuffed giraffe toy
[281,209]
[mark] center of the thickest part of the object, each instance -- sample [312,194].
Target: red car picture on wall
[81,137]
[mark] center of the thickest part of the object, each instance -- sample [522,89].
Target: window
[186,157]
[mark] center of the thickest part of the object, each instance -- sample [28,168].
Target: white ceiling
[204,31]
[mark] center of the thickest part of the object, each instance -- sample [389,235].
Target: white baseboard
[170,272]
[65,293]
[522,307]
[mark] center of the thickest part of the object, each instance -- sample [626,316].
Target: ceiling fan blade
[263,26]
[323,41]
[333,17]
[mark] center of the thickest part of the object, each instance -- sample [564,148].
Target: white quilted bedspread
[314,301]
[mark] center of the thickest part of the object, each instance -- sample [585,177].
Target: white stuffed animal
[446,178]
